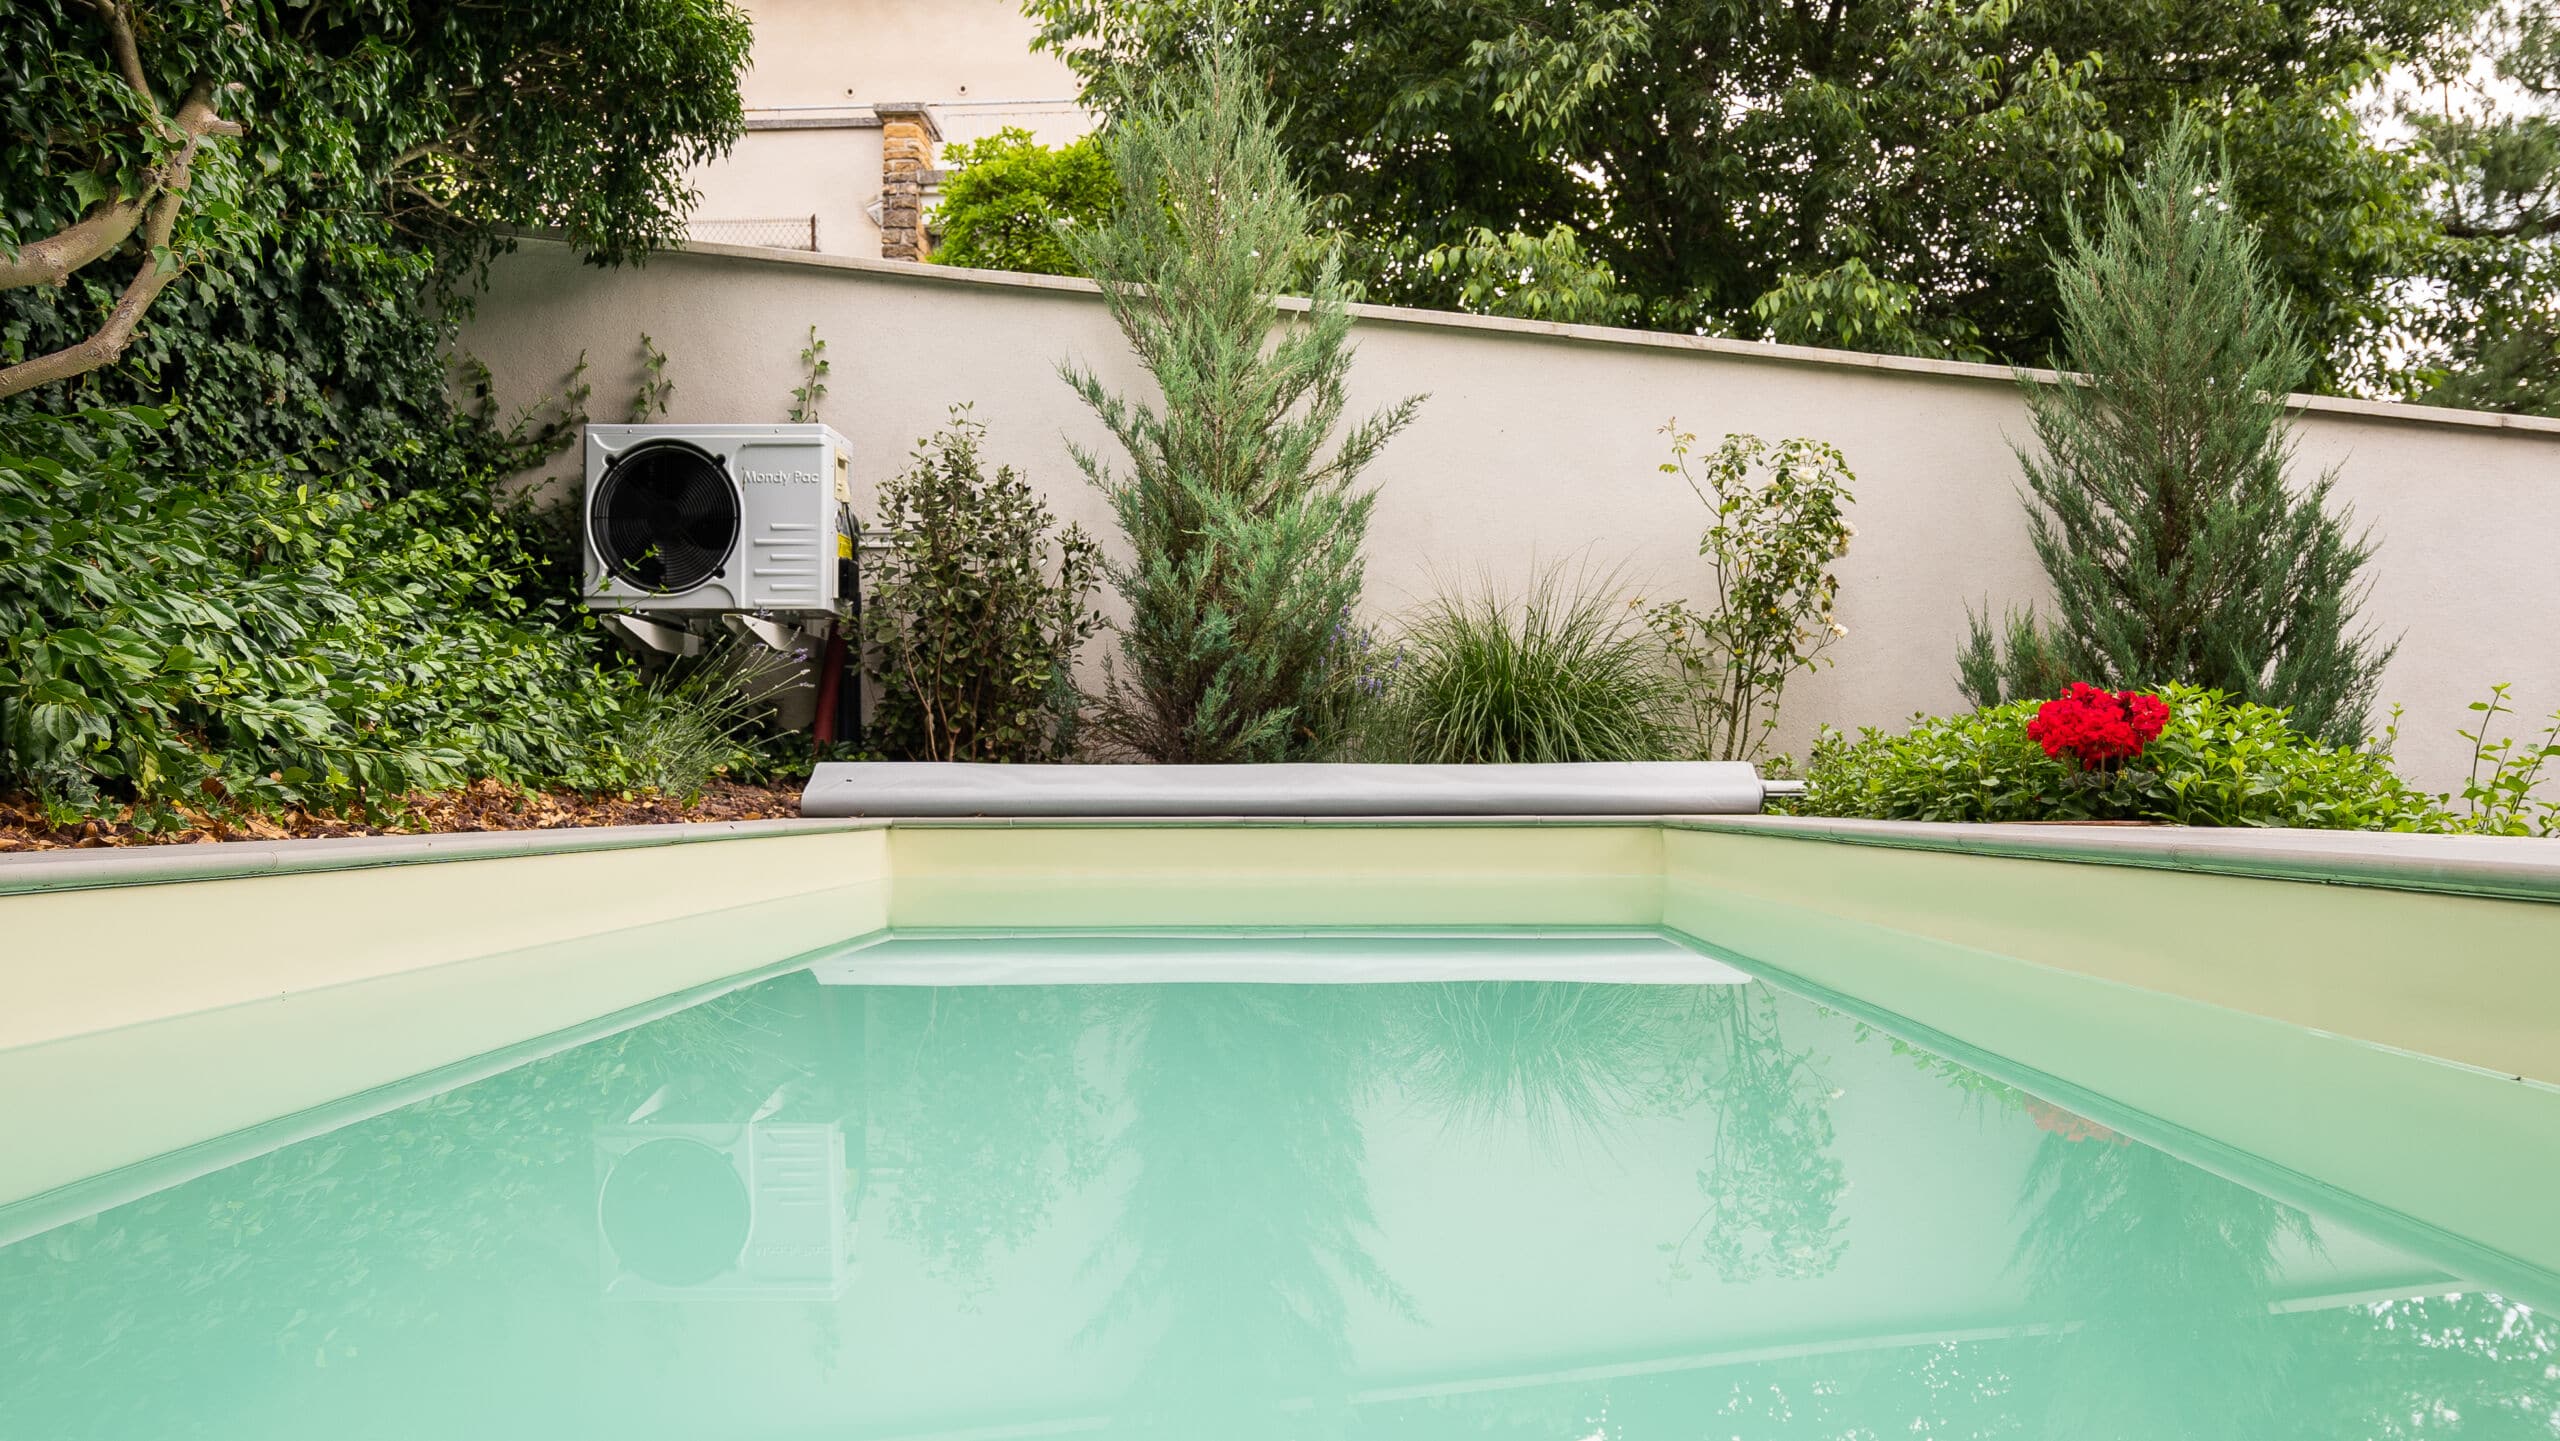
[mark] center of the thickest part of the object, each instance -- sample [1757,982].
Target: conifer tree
[2178,547]
[1245,533]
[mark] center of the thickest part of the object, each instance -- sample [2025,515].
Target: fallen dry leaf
[481,806]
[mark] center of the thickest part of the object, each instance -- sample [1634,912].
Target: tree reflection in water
[2147,1267]
[1247,1220]
[1246,1215]
[1209,1148]
[1555,1058]
[1571,1058]
[1771,1181]
[980,1098]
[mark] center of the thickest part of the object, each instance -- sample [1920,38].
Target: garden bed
[481,806]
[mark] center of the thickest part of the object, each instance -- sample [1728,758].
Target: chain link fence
[794,232]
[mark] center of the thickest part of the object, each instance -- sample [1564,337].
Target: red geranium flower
[2050,1117]
[2096,727]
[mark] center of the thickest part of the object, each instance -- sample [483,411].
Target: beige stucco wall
[970,61]
[793,175]
[1539,445]
[818,52]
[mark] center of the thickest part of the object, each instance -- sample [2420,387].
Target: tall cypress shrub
[2178,547]
[1245,533]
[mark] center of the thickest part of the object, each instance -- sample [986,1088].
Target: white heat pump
[756,1208]
[697,521]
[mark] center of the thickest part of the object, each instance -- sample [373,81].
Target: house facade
[850,104]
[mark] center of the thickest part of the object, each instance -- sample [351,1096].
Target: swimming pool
[1552,1183]
[342,1138]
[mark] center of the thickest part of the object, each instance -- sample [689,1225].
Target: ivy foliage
[263,637]
[387,149]
[288,393]
[1008,195]
[1874,173]
[445,122]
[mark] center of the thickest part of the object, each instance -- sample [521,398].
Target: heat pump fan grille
[665,516]
[676,1212]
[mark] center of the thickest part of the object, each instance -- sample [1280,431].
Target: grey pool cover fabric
[943,788]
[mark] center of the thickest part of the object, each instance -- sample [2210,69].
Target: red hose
[830,683]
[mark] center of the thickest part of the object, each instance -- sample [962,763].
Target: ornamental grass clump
[1566,672]
[691,724]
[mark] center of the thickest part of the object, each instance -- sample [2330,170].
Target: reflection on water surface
[1533,1210]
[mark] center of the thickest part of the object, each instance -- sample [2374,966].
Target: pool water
[1533,1209]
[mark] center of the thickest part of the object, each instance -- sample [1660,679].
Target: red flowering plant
[2099,729]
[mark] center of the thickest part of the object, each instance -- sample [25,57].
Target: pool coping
[2499,867]
[100,867]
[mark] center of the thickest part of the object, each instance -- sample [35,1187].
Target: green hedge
[256,636]
[2218,763]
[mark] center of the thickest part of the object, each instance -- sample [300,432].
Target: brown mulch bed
[481,806]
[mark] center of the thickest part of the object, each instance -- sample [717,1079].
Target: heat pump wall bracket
[650,635]
[773,635]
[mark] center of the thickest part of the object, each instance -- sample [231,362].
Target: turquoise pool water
[821,1206]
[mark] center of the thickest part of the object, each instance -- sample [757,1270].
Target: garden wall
[1539,445]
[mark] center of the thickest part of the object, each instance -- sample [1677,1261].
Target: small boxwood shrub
[2218,762]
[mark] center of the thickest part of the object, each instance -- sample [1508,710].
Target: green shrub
[244,637]
[1567,673]
[187,618]
[1776,524]
[2015,659]
[1007,196]
[2179,547]
[2502,795]
[1240,492]
[1349,712]
[2219,762]
[977,610]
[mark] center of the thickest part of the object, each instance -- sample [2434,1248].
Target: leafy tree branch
[151,210]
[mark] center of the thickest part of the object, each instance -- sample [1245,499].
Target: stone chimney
[907,138]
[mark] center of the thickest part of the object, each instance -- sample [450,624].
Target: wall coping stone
[1765,352]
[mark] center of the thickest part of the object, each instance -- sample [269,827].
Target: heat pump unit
[757,1208]
[696,521]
